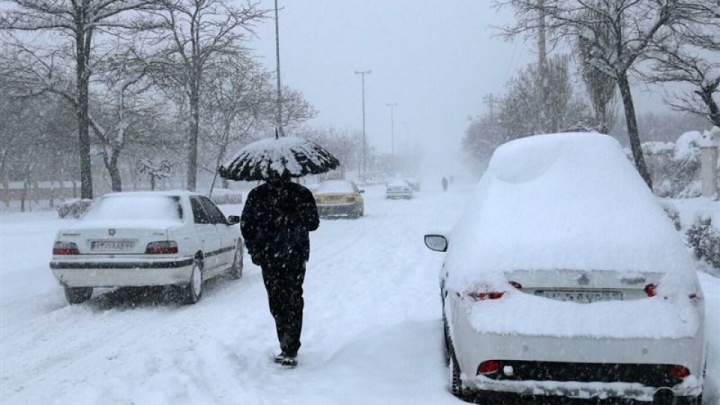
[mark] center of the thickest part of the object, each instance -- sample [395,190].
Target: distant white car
[339,198]
[134,239]
[564,278]
[398,189]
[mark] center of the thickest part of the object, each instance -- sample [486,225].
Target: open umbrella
[280,156]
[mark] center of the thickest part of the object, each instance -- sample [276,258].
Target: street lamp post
[277,58]
[392,128]
[363,73]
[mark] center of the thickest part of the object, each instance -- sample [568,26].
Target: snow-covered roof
[334,186]
[141,209]
[563,201]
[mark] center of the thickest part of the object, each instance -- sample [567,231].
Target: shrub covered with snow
[73,208]
[704,239]
[675,166]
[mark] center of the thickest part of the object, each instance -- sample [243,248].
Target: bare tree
[535,107]
[632,26]
[233,105]
[601,88]
[692,59]
[198,33]
[80,21]
[122,109]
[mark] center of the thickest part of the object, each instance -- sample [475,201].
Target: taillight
[161,248]
[486,295]
[65,248]
[650,290]
[678,371]
[488,367]
[516,285]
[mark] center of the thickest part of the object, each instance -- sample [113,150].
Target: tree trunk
[193,141]
[113,171]
[632,129]
[707,98]
[83,79]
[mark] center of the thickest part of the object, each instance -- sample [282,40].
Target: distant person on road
[444,183]
[275,223]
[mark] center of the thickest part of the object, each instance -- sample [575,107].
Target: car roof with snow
[153,193]
[335,186]
[398,182]
[564,201]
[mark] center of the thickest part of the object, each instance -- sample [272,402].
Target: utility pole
[392,128]
[277,58]
[362,73]
[542,66]
[490,101]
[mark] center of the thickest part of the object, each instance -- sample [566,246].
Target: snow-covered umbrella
[280,156]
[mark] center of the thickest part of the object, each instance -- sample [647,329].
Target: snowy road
[371,331]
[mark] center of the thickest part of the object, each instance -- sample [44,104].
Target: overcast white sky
[435,58]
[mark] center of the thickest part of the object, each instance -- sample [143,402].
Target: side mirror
[438,243]
[233,219]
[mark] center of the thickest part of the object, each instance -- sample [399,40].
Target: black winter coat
[276,222]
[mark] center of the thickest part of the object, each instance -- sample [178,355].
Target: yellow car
[339,198]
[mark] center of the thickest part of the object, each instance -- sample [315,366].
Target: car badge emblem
[111,232]
[583,280]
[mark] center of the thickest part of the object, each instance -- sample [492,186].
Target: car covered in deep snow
[339,198]
[153,238]
[565,278]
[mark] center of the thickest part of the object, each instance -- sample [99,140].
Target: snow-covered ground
[371,335]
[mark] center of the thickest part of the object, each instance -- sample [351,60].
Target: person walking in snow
[444,182]
[275,223]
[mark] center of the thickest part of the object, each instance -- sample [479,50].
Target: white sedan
[398,188]
[565,279]
[133,239]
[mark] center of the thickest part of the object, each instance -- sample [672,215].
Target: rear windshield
[135,207]
[335,187]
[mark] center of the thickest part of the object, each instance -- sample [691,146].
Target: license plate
[111,245]
[582,296]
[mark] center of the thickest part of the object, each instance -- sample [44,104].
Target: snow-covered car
[565,278]
[157,238]
[398,188]
[339,198]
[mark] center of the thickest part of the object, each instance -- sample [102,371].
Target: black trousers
[284,283]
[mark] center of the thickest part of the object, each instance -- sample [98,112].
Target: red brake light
[489,367]
[650,290]
[161,248]
[516,285]
[490,295]
[678,371]
[65,248]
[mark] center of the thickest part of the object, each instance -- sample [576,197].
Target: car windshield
[135,207]
[328,187]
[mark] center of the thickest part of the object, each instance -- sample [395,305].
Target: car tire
[456,384]
[236,270]
[194,288]
[78,295]
[446,343]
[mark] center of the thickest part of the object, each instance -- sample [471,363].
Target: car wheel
[236,270]
[193,291]
[77,295]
